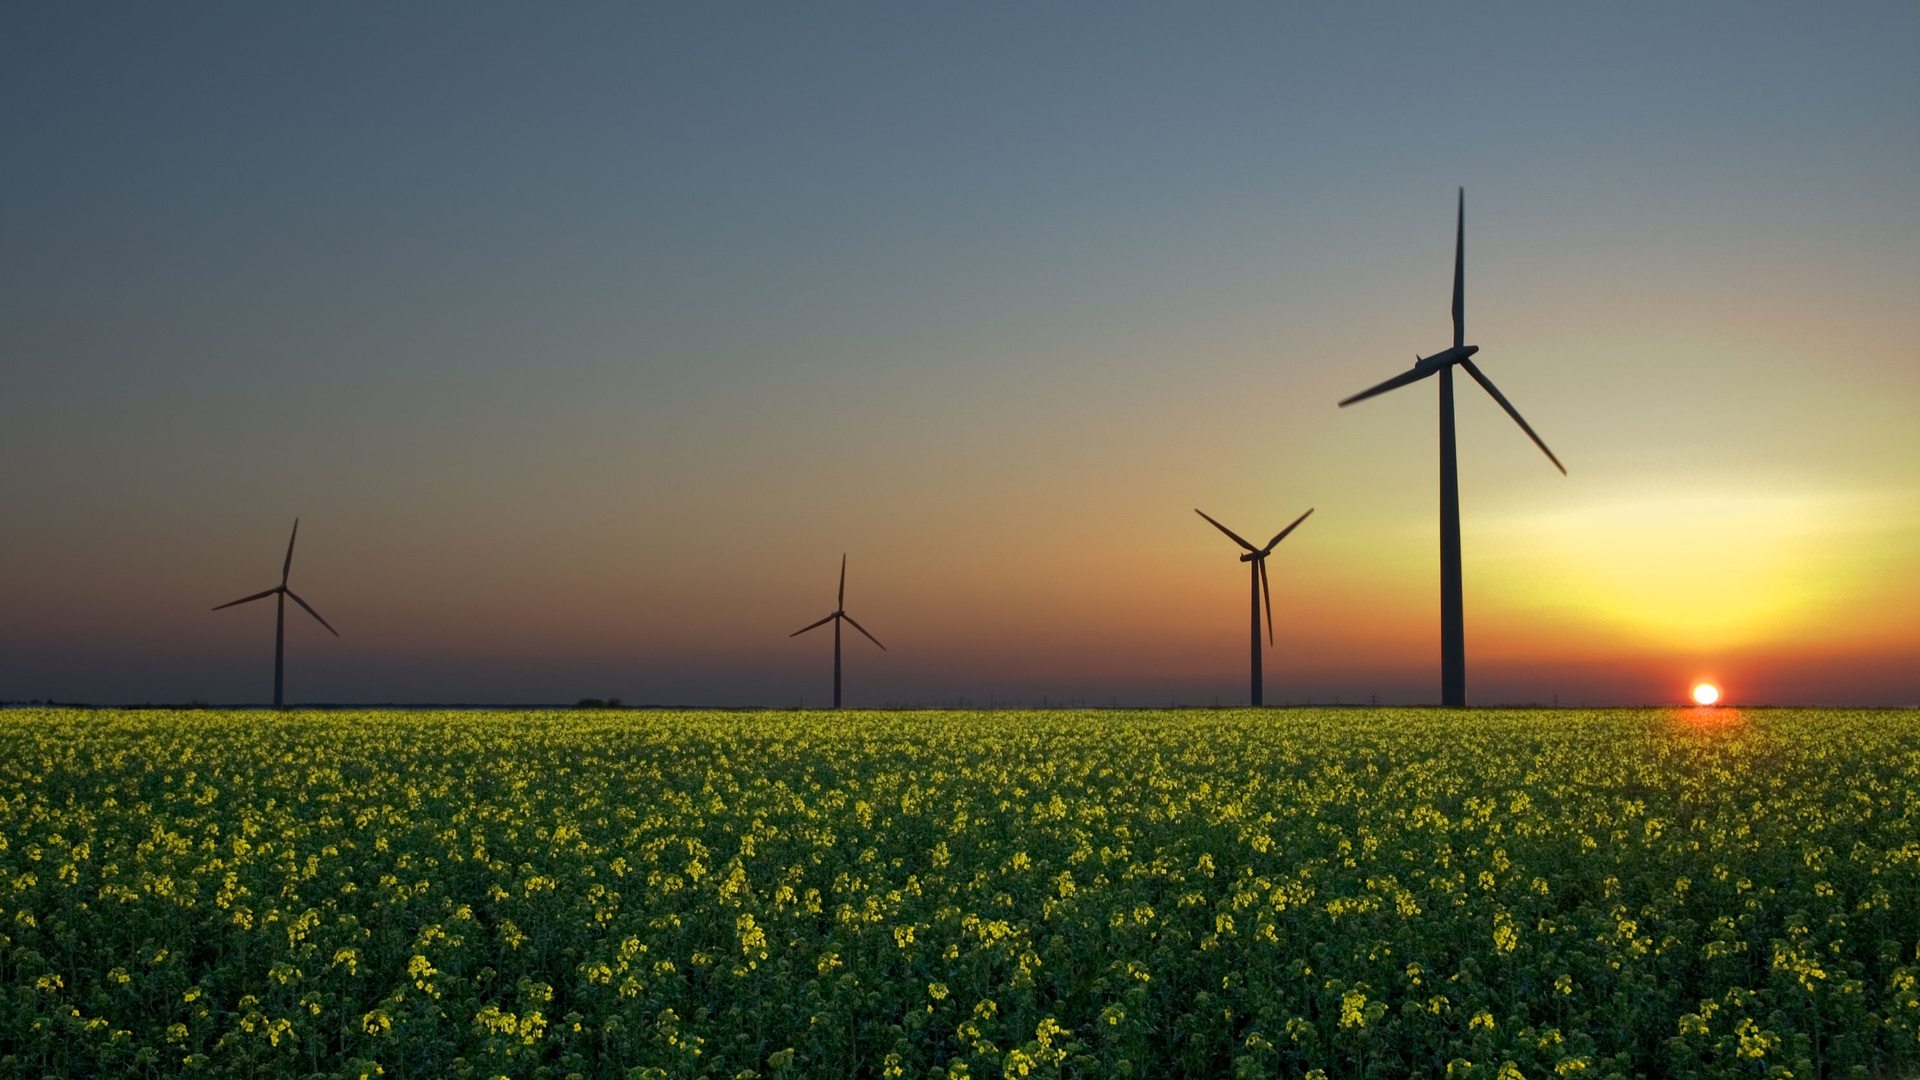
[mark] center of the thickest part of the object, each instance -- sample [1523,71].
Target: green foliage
[1371,893]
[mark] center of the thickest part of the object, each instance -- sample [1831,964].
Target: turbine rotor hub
[1445,357]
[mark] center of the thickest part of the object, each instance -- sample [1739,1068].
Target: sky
[584,341]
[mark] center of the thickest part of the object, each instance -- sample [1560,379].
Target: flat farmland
[642,894]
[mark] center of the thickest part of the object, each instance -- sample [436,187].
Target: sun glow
[1699,569]
[1706,693]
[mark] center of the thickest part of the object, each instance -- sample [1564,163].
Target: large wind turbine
[1258,557]
[839,615]
[280,615]
[1453,636]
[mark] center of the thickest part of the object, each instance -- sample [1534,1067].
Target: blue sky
[585,342]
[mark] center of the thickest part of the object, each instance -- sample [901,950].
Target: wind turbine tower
[1257,557]
[839,615]
[1453,634]
[281,593]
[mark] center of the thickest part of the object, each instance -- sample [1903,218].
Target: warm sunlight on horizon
[1707,569]
[1706,693]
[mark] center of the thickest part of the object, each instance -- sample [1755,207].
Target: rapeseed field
[1306,893]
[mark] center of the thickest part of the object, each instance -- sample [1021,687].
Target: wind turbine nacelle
[1249,556]
[1448,357]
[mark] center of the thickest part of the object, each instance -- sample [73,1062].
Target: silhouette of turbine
[839,615]
[1258,557]
[1453,635]
[280,616]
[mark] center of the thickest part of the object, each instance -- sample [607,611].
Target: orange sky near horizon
[987,580]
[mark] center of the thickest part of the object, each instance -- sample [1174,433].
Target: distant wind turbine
[1453,635]
[839,615]
[1258,557]
[280,616]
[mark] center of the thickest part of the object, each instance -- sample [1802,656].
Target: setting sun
[1706,693]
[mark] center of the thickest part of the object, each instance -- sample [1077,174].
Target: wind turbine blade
[295,597]
[1282,534]
[1394,383]
[1268,594]
[1460,274]
[248,599]
[1224,529]
[1513,412]
[863,630]
[287,567]
[842,603]
[811,625]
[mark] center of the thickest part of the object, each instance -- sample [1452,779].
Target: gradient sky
[585,340]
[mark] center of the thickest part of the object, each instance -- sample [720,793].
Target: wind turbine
[839,615]
[1258,558]
[280,615]
[1453,635]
